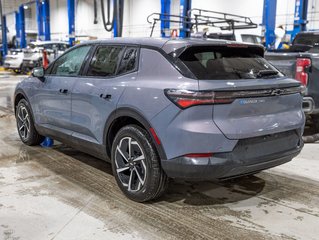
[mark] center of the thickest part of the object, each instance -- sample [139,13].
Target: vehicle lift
[269,19]
[43,23]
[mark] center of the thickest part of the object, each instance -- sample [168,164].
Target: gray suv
[192,109]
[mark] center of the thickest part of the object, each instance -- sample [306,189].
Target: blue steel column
[18,35]
[71,17]
[300,17]
[118,19]
[115,23]
[185,5]
[4,36]
[46,19]
[165,25]
[23,42]
[269,21]
[39,19]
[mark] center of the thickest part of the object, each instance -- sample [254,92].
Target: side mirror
[38,72]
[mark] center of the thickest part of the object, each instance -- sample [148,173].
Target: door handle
[63,91]
[105,96]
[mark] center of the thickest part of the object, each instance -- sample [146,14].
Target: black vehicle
[301,61]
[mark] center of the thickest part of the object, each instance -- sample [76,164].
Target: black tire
[12,43]
[315,122]
[27,133]
[154,182]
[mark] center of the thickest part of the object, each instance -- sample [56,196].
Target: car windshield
[225,62]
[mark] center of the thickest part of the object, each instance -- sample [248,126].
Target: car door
[53,98]
[95,95]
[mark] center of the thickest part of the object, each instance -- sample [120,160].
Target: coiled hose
[117,16]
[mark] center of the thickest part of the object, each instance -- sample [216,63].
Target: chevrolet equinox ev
[193,109]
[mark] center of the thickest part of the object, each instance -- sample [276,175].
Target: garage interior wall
[136,12]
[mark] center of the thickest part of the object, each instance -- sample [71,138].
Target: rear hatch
[250,97]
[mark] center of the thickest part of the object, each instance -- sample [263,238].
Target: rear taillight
[188,98]
[302,65]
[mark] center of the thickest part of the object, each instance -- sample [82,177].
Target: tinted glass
[129,60]
[251,38]
[218,63]
[221,36]
[70,63]
[105,61]
[307,39]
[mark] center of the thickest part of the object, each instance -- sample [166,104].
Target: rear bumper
[247,158]
[215,168]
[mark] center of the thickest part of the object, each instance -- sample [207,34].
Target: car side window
[129,60]
[105,61]
[70,63]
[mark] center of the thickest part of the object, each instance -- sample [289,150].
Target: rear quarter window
[129,60]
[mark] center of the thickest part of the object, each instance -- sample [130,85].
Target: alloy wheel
[130,164]
[23,120]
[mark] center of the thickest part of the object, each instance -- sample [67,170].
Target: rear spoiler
[252,48]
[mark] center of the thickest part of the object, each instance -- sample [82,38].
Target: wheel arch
[125,116]
[19,94]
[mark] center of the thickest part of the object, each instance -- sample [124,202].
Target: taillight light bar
[302,66]
[188,98]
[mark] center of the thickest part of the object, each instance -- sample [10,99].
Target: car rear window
[307,39]
[251,38]
[225,62]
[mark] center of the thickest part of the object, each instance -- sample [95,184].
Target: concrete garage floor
[60,193]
